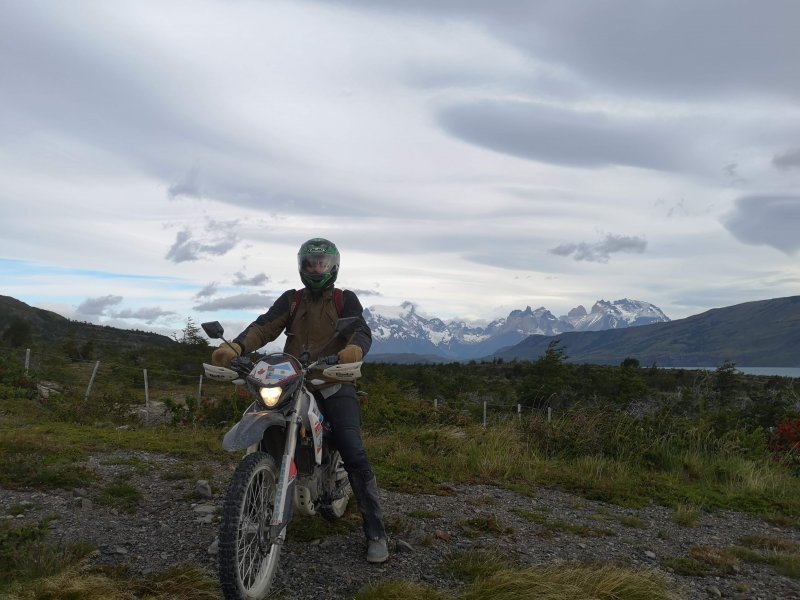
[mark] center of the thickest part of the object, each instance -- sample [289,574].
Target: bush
[785,444]
[786,437]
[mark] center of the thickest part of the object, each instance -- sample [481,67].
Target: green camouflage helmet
[318,263]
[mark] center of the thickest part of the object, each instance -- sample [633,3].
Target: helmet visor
[317,264]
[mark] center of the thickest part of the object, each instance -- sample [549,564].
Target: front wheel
[247,559]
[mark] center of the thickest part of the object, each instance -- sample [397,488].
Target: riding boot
[369,504]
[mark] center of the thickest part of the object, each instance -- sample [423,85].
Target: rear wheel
[247,559]
[338,487]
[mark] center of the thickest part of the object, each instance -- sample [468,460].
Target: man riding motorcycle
[309,318]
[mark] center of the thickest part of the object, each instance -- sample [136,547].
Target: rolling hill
[49,327]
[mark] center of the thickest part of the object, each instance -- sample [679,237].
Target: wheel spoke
[256,512]
[247,561]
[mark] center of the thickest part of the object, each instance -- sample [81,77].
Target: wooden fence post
[91,380]
[27,360]
[146,399]
[484,413]
[200,389]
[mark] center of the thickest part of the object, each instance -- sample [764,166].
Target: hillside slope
[48,327]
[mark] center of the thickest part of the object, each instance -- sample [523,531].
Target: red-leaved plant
[785,443]
[786,437]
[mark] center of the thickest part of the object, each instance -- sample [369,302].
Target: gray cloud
[241,279]
[766,220]
[208,290]
[146,314]
[602,251]
[359,292]
[218,238]
[98,306]
[188,185]
[237,302]
[678,49]
[788,160]
[565,137]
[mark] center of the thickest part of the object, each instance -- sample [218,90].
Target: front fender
[251,429]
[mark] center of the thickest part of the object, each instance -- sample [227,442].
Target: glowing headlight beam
[270,395]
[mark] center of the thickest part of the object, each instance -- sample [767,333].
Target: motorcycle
[283,426]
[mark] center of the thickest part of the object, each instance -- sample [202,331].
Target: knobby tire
[247,567]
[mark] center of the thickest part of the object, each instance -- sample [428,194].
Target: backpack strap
[338,301]
[298,298]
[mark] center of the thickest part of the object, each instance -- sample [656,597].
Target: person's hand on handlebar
[350,354]
[224,354]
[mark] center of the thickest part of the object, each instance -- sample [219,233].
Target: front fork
[284,493]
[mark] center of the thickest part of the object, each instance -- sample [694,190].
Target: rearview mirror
[213,329]
[347,325]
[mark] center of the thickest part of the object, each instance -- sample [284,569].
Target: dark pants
[343,412]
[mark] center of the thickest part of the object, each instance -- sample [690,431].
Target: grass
[773,544]
[25,556]
[686,515]
[33,569]
[49,455]
[782,554]
[721,561]
[633,522]
[690,567]
[551,526]
[176,583]
[490,577]
[400,590]
[574,581]
[476,564]
[474,526]
[683,469]
[120,493]
[19,509]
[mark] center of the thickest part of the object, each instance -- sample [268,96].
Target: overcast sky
[161,160]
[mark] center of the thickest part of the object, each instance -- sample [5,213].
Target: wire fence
[54,372]
[493,412]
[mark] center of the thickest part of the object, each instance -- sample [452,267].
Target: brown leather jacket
[312,326]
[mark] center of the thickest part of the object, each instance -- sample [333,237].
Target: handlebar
[325,361]
[242,365]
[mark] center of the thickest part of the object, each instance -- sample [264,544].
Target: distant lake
[779,371]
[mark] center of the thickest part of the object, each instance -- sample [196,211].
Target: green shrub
[25,555]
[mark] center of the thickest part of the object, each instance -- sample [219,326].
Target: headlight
[270,395]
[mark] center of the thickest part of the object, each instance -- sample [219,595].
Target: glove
[223,355]
[350,354]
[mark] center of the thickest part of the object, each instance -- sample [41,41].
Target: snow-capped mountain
[614,315]
[400,330]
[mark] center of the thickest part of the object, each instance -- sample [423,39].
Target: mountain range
[402,331]
[764,333]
